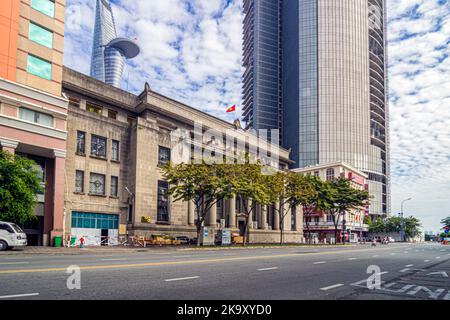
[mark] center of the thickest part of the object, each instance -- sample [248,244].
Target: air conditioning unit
[255,224]
[222,223]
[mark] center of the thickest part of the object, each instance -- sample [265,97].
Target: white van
[11,236]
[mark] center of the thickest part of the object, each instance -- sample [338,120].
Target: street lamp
[402,232]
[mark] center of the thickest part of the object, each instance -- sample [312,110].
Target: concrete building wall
[143,124]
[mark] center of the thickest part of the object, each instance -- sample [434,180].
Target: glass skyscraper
[108,51]
[316,70]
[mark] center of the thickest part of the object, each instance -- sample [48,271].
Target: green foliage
[338,197]
[411,225]
[19,186]
[204,184]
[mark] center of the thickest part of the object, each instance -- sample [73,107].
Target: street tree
[339,198]
[311,202]
[204,184]
[251,185]
[290,190]
[19,186]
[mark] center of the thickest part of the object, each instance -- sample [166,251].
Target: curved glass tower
[330,58]
[108,51]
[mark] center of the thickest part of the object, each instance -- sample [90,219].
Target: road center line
[268,269]
[19,295]
[181,279]
[320,262]
[180,262]
[409,265]
[332,287]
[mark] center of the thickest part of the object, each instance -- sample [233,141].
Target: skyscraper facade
[108,51]
[332,97]
[33,110]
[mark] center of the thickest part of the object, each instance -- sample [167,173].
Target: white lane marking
[332,287]
[426,260]
[381,273]
[393,254]
[352,259]
[11,263]
[20,295]
[375,256]
[320,262]
[267,269]
[438,257]
[405,270]
[409,265]
[185,256]
[181,279]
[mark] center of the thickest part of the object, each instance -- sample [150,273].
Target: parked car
[183,239]
[11,235]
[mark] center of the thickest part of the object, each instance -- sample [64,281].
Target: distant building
[108,51]
[33,113]
[320,225]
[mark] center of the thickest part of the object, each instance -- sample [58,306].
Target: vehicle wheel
[3,245]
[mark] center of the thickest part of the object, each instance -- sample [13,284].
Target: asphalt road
[406,271]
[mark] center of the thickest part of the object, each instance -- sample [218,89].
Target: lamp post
[402,232]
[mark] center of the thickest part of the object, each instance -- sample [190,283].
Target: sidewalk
[78,251]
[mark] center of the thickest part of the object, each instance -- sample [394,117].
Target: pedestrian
[81,242]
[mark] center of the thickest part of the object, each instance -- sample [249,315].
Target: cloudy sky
[191,51]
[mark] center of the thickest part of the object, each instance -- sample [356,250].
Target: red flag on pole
[231,109]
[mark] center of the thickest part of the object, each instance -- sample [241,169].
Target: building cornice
[39,95]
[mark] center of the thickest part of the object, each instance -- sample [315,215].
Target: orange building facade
[33,112]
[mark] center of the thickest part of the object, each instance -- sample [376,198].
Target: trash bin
[73,240]
[58,241]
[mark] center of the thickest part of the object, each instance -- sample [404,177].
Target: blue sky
[191,51]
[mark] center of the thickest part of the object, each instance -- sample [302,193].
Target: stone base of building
[255,236]
[273,236]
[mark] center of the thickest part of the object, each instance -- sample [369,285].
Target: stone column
[213,216]
[250,218]
[232,212]
[58,195]
[276,217]
[9,145]
[191,213]
[263,222]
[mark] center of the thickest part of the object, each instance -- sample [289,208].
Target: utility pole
[402,232]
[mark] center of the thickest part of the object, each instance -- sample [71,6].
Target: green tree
[204,184]
[19,186]
[290,190]
[377,226]
[412,227]
[252,185]
[312,202]
[340,197]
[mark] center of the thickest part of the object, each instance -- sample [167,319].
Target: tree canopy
[19,186]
